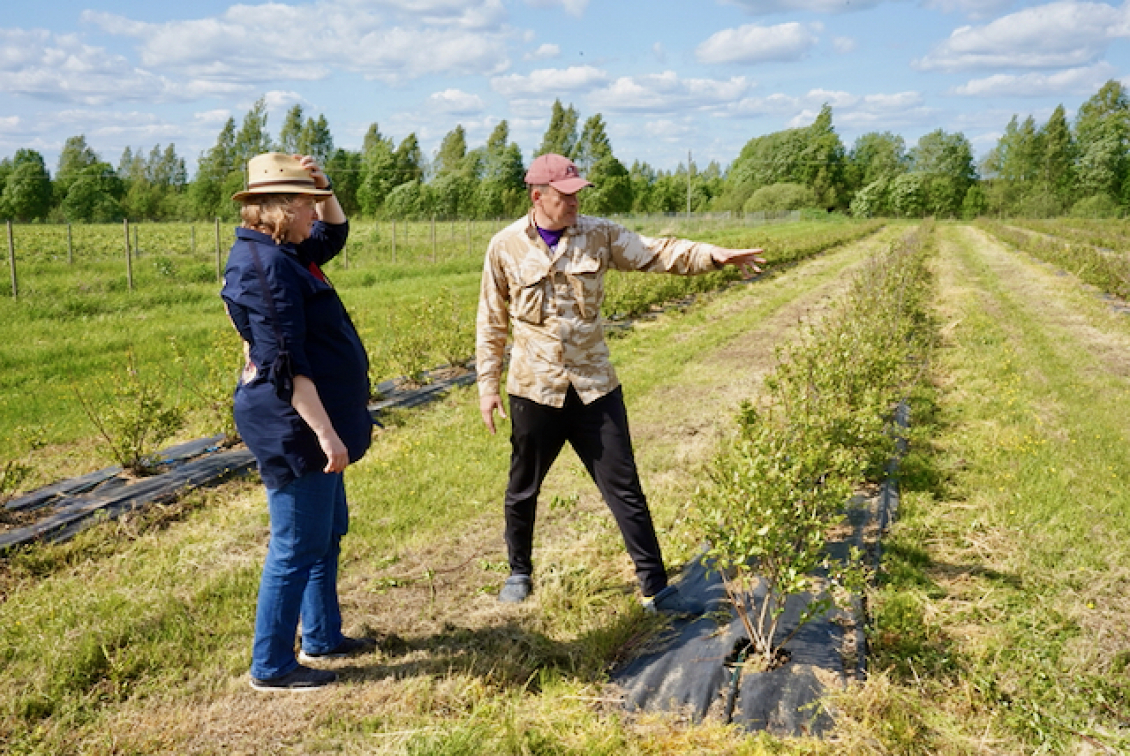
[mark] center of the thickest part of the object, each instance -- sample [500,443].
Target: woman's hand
[337,456]
[329,209]
[309,406]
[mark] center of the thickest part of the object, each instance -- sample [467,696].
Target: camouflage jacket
[551,300]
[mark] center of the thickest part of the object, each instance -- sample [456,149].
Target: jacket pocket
[530,297]
[587,275]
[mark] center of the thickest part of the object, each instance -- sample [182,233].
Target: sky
[671,78]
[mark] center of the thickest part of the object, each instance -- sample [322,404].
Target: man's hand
[487,405]
[746,260]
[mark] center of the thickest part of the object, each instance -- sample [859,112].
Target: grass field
[999,622]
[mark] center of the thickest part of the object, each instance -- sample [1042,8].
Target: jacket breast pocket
[587,275]
[529,303]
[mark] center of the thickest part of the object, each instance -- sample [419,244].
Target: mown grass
[134,638]
[1003,621]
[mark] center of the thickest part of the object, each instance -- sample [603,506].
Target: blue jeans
[309,516]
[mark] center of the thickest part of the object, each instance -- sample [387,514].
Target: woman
[301,407]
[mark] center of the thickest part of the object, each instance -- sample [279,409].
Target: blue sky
[668,77]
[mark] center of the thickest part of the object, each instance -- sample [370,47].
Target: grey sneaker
[297,680]
[671,601]
[516,589]
[347,647]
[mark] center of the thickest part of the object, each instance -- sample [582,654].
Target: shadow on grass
[507,655]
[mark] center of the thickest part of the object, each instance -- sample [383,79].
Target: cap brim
[570,186]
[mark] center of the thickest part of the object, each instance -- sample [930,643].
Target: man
[544,278]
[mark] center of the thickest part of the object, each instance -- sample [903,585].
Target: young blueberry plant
[133,419]
[781,487]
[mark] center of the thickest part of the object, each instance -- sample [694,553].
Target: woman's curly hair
[273,212]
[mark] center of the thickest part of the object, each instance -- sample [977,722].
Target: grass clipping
[822,429]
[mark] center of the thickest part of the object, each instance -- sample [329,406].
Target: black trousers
[598,433]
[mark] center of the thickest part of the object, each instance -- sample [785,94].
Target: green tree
[216,171]
[813,156]
[75,157]
[316,140]
[291,131]
[945,163]
[778,198]
[1102,132]
[378,171]
[1057,169]
[821,163]
[875,155]
[593,146]
[27,188]
[643,178]
[452,152]
[907,195]
[252,138]
[409,201]
[873,200]
[561,135]
[409,161]
[612,188]
[94,195]
[344,167]
[501,191]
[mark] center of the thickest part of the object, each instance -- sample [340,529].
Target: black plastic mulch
[692,671]
[63,509]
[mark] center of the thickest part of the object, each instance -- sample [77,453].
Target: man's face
[554,209]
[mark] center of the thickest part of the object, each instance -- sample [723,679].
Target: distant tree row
[1034,170]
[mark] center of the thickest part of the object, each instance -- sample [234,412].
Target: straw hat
[278,173]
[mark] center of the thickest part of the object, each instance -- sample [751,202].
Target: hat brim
[570,185]
[304,189]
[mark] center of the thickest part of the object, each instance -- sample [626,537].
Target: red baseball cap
[558,171]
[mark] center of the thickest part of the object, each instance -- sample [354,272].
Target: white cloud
[544,52]
[1073,81]
[1056,35]
[390,41]
[456,102]
[971,8]
[767,7]
[667,92]
[852,112]
[39,64]
[757,44]
[844,45]
[548,81]
[670,131]
[216,117]
[572,7]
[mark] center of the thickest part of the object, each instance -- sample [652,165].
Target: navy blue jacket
[322,343]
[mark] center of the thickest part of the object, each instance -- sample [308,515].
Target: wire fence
[47,259]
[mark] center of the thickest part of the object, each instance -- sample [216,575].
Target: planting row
[823,428]
[1104,268]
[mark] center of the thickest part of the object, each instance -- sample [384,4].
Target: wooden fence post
[191,239]
[394,240]
[219,270]
[129,257]
[433,239]
[12,261]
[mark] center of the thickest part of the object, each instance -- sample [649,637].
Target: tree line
[1035,170]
